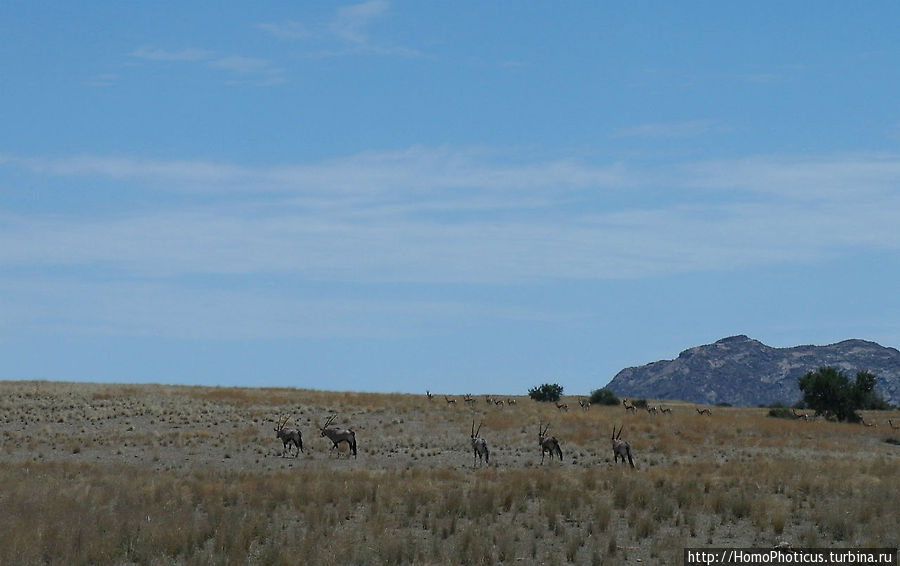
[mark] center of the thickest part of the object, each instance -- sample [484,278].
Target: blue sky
[454,196]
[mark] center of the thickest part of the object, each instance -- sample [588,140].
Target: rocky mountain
[745,372]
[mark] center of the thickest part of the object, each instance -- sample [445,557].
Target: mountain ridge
[743,371]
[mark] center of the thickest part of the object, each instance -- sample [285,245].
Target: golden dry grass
[107,474]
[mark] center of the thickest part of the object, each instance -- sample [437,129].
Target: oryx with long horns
[548,443]
[338,435]
[479,446]
[288,437]
[621,447]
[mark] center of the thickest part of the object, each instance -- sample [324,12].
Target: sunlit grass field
[109,474]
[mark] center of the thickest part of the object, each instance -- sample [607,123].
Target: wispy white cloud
[687,129]
[348,31]
[290,30]
[77,307]
[352,23]
[438,216]
[415,171]
[416,216]
[821,178]
[156,54]
[259,70]
[102,80]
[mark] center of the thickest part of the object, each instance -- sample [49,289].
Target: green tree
[828,391]
[864,393]
[546,392]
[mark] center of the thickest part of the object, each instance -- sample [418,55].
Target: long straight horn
[620,431]
[479,427]
[473,428]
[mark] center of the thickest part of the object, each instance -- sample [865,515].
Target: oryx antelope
[338,435]
[548,443]
[479,446]
[288,437]
[621,447]
[803,415]
[704,412]
[628,406]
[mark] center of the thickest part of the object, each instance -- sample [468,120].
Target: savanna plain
[153,474]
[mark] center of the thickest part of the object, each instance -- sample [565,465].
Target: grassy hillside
[108,474]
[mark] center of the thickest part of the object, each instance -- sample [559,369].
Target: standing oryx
[548,444]
[479,446]
[338,435]
[804,415]
[621,447]
[288,437]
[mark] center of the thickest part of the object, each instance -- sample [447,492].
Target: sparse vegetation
[781,413]
[178,475]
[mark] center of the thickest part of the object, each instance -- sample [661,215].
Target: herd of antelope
[292,439]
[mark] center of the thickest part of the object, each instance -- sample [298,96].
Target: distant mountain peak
[740,370]
[736,339]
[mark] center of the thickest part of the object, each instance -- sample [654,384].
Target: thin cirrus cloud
[348,23]
[443,216]
[249,68]
[157,54]
[347,31]
[667,130]
[415,171]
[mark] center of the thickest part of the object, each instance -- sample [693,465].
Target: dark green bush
[546,392]
[828,391]
[604,396]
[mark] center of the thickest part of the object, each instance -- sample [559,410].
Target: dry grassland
[109,474]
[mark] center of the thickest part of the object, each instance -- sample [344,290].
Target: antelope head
[279,425]
[542,432]
[327,422]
